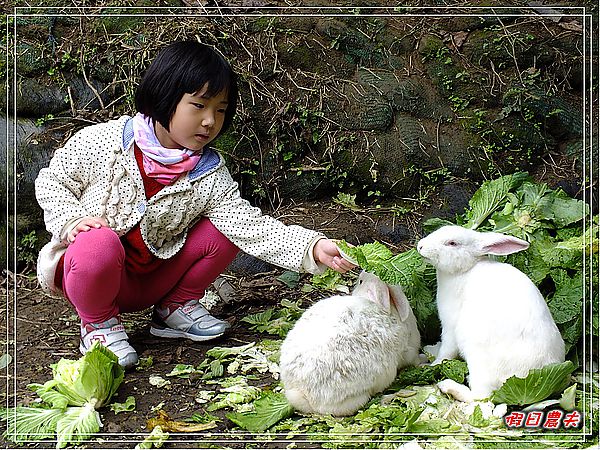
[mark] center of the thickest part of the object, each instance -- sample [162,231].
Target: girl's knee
[99,244]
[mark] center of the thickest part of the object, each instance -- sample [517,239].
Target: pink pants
[97,283]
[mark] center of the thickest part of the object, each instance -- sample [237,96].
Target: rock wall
[384,104]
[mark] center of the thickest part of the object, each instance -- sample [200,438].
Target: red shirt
[138,258]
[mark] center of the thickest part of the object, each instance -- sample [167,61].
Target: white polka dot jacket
[95,174]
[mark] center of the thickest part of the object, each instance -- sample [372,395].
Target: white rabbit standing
[344,349]
[491,313]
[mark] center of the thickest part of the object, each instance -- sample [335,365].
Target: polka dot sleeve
[59,186]
[256,233]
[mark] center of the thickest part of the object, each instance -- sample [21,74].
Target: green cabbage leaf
[538,385]
[70,400]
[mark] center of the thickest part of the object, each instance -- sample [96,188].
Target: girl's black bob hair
[184,67]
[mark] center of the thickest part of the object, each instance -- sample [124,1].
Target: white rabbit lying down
[344,349]
[491,313]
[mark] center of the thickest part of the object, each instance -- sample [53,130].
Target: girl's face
[198,119]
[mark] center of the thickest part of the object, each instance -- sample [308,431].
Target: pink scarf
[163,164]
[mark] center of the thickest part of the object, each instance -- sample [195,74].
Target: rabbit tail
[298,400]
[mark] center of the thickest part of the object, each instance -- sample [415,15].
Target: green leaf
[144,363]
[27,424]
[347,200]
[261,318]
[234,392]
[289,278]
[182,371]
[567,302]
[490,196]
[54,398]
[216,369]
[571,332]
[330,280]
[269,409]
[476,419]
[278,321]
[567,399]
[77,424]
[224,352]
[128,405]
[421,375]
[568,210]
[454,369]
[538,385]
[5,360]
[401,268]
[203,418]
[95,376]
[155,439]
[368,256]
[430,225]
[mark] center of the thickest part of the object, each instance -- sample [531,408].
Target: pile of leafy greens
[69,400]
[563,248]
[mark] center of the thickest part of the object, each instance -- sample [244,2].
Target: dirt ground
[45,329]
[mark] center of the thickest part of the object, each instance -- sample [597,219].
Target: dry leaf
[459,38]
[164,421]
[571,26]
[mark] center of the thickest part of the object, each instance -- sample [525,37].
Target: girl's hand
[86,224]
[326,252]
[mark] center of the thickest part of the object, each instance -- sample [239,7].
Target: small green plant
[347,200]
[41,121]
[276,321]
[27,249]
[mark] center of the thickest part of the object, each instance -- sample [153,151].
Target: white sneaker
[111,334]
[191,321]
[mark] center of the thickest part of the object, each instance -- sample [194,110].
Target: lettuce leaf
[567,301]
[490,196]
[534,207]
[369,256]
[538,385]
[25,423]
[269,409]
[70,400]
[128,405]
[77,424]
[401,268]
[96,376]
[420,375]
[155,439]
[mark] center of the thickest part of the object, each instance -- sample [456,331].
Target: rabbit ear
[380,294]
[400,301]
[370,286]
[501,244]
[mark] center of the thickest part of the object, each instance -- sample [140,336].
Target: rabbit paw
[459,391]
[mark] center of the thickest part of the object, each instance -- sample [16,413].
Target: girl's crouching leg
[92,274]
[206,254]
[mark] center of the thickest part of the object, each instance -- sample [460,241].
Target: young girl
[143,213]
